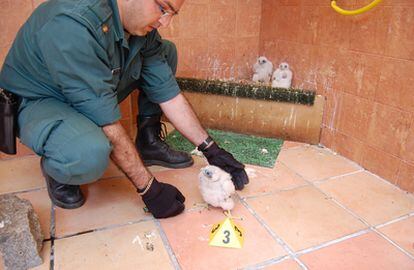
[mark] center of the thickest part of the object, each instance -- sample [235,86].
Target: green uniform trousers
[75,149]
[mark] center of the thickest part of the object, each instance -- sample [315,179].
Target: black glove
[163,200]
[221,158]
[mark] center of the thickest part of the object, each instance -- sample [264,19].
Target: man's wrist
[205,144]
[143,190]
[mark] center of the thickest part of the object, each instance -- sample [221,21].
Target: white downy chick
[216,187]
[262,69]
[282,77]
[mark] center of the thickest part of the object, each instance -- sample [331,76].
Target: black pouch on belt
[9,104]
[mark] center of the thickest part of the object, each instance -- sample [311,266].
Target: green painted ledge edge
[247,90]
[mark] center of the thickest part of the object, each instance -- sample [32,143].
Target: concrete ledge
[247,90]
[272,119]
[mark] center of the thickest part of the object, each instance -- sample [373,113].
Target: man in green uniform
[71,63]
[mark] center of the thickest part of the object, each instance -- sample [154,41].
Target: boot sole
[169,165]
[59,203]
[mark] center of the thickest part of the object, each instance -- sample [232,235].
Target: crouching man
[70,65]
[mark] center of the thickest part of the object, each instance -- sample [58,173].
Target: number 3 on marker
[227,237]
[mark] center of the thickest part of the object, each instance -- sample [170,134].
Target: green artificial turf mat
[245,148]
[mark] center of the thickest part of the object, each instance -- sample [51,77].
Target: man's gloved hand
[221,158]
[163,200]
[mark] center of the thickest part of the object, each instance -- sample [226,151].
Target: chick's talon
[228,214]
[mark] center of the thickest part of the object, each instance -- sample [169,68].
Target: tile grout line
[328,243]
[294,254]
[105,228]
[167,245]
[323,179]
[24,191]
[279,240]
[19,158]
[349,211]
[344,238]
[301,264]
[314,184]
[404,217]
[374,228]
[332,242]
[362,170]
[337,176]
[271,192]
[270,262]
[393,243]
[371,228]
[115,226]
[391,184]
[341,156]
[319,148]
[52,237]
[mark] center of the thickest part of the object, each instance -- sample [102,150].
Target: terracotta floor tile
[315,163]
[20,174]
[304,217]
[284,265]
[111,201]
[42,206]
[369,197]
[186,180]
[199,161]
[156,168]
[45,253]
[365,252]
[188,234]
[265,180]
[291,144]
[402,233]
[119,248]
[112,171]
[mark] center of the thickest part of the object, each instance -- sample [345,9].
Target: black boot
[64,196]
[152,147]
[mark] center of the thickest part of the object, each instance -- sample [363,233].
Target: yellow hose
[356,11]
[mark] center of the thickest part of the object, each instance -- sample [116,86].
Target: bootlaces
[162,135]
[162,132]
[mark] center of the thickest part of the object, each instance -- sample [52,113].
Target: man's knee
[87,157]
[75,149]
[82,160]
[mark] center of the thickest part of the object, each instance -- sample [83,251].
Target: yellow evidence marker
[226,234]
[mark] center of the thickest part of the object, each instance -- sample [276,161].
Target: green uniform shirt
[75,51]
